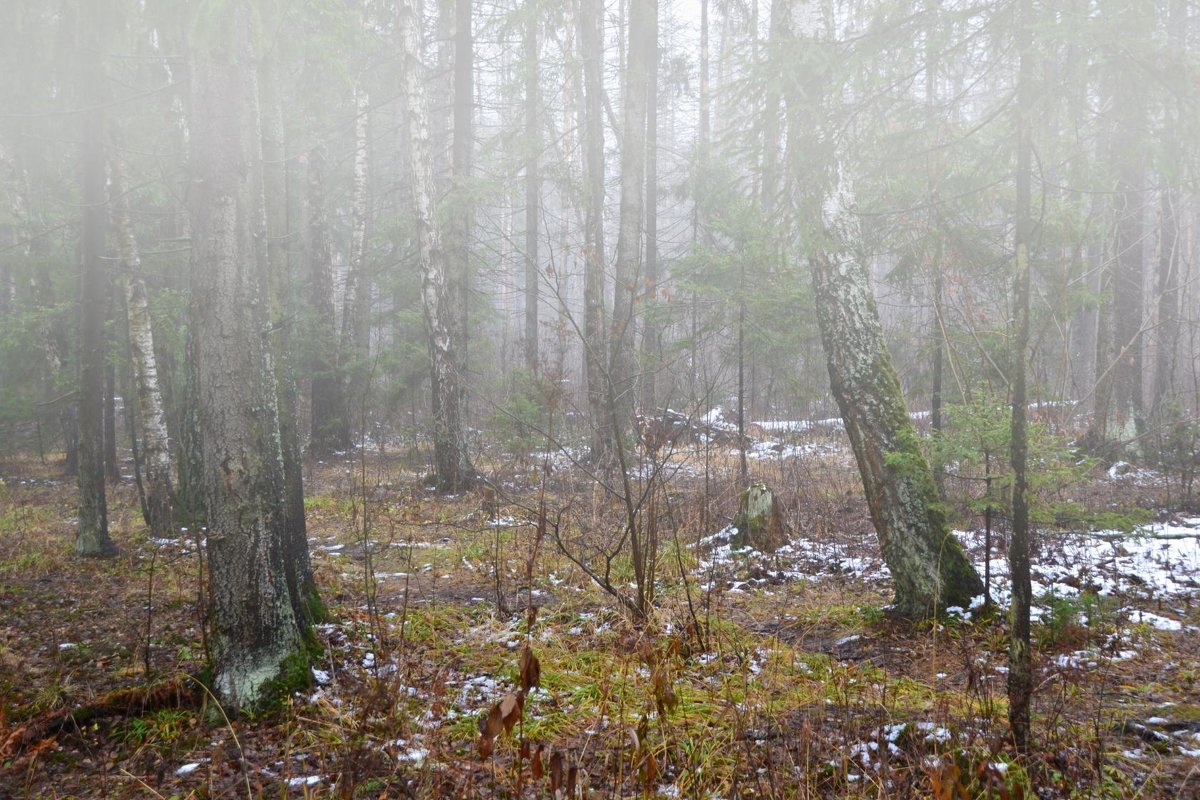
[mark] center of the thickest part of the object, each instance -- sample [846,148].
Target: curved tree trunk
[929,567]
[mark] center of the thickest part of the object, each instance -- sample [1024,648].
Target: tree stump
[759,522]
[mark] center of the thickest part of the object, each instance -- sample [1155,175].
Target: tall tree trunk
[1020,664]
[463,215]
[651,329]
[1169,246]
[453,470]
[595,341]
[330,415]
[92,537]
[1119,415]
[630,231]
[154,442]
[277,280]
[699,213]
[933,179]
[356,301]
[533,141]
[256,637]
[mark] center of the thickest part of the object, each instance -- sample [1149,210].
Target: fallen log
[131,702]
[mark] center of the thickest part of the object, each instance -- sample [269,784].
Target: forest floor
[754,676]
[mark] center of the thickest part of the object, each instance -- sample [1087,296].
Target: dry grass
[740,684]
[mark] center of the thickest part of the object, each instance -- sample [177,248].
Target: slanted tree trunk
[256,637]
[630,231]
[533,141]
[595,341]
[452,466]
[92,538]
[330,429]
[150,414]
[929,567]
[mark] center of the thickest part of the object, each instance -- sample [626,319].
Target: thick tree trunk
[595,341]
[256,638]
[453,470]
[92,537]
[928,565]
[154,442]
[277,280]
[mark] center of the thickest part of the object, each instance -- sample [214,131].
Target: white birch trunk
[151,413]
[452,467]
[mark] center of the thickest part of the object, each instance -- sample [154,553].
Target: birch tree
[150,413]
[929,567]
[452,466]
[356,299]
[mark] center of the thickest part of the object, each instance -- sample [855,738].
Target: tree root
[35,733]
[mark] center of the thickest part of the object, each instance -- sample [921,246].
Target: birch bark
[150,412]
[452,467]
